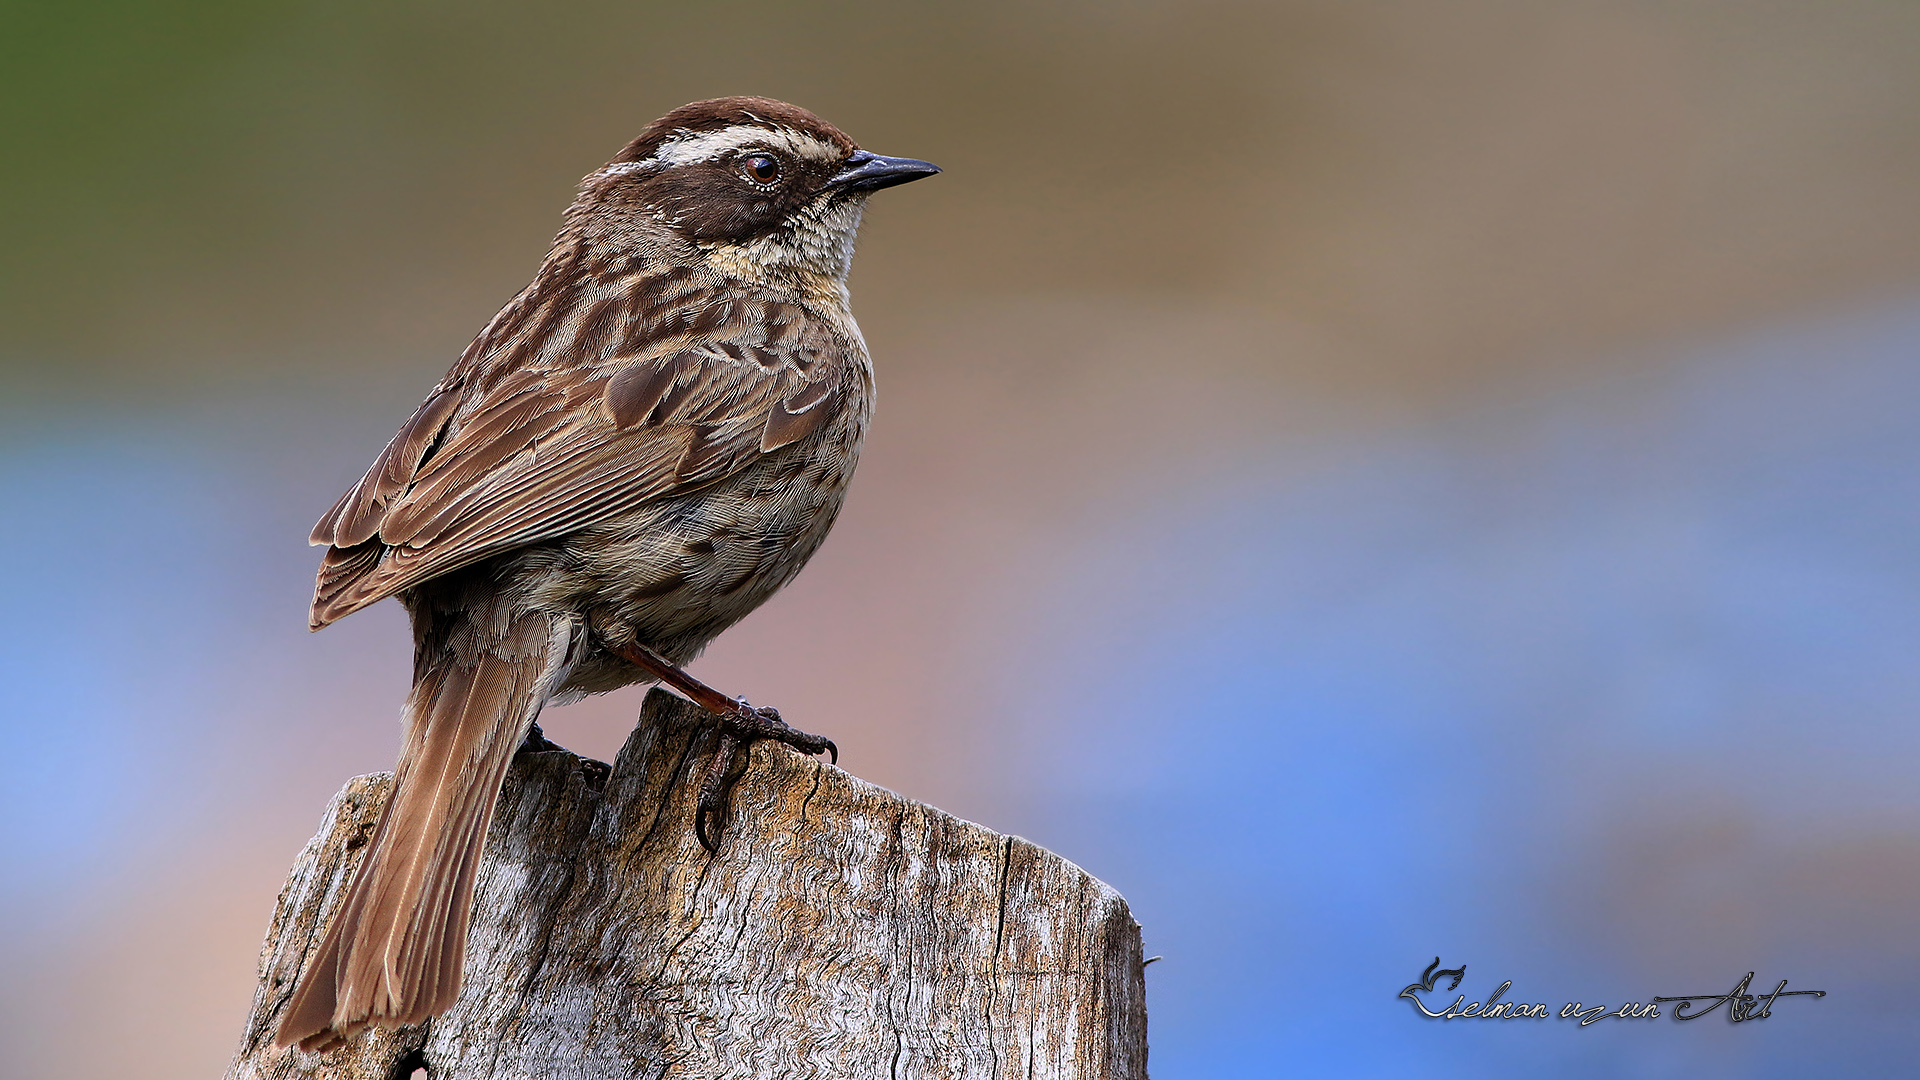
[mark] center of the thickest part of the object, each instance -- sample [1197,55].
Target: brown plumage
[641,447]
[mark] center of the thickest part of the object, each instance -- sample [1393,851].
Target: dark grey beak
[871,172]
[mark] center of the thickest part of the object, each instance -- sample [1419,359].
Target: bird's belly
[676,572]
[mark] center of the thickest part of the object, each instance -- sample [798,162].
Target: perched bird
[642,446]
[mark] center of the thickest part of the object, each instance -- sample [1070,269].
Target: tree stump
[841,931]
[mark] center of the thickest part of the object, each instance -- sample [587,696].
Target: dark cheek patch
[709,201]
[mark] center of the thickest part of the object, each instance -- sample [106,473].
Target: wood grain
[841,931]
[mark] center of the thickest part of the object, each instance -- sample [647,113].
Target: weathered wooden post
[841,931]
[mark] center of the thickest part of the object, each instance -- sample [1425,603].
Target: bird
[647,442]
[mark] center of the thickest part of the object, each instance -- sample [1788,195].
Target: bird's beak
[871,172]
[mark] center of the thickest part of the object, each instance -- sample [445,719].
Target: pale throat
[814,254]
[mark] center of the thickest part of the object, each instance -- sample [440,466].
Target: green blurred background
[1281,405]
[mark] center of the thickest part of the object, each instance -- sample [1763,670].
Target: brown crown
[727,112]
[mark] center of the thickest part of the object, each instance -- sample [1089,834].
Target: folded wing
[544,451]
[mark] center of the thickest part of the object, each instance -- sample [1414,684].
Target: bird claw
[740,726]
[748,723]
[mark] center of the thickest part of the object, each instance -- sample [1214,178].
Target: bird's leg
[739,723]
[737,718]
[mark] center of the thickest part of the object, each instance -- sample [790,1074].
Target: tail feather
[394,953]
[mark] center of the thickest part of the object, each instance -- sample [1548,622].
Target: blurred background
[1368,480]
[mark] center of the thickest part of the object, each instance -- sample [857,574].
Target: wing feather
[356,517]
[546,450]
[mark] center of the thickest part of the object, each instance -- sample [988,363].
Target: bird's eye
[760,168]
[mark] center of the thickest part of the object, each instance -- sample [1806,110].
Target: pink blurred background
[1368,480]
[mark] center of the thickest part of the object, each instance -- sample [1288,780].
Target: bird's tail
[394,952]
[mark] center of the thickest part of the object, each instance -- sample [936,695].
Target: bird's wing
[542,452]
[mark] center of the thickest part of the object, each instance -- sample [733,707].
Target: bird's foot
[746,722]
[740,726]
[537,742]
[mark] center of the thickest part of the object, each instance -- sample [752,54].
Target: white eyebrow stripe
[691,147]
[621,168]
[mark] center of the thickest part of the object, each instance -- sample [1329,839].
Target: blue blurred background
[1368,481]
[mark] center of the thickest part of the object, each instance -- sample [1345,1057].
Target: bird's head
[761,188]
